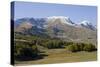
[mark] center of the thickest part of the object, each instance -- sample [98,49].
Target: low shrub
[25,50]
[71,48]
[52,44]
[89,47]
[81,47]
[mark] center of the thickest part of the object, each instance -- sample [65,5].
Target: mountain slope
[87,24]
[58,27]
[68,32]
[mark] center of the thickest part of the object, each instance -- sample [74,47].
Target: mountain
[34,21]
[62,18]
[87,24]
[57,27]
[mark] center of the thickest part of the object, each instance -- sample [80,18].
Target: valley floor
[61,56]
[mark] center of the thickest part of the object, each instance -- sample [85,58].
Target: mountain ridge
[43,21]
[58,27]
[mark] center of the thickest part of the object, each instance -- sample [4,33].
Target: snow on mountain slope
[59,20]
[57,27]
[63,19]
[87,24]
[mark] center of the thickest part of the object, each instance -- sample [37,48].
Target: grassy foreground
[36,50]
[61,56]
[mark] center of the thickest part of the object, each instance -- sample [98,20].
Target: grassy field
[49,56]
[61,56]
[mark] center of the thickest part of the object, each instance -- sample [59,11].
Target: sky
[77,13]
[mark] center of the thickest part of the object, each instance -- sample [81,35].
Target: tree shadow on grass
[30,58]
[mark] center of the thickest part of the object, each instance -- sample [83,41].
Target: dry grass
[61,56]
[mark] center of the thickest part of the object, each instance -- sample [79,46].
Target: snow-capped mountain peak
[54,20]
[87,24]
[56,17]
[63,19]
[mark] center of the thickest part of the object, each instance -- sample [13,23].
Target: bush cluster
[25,50]
[51,44]
[81,47]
